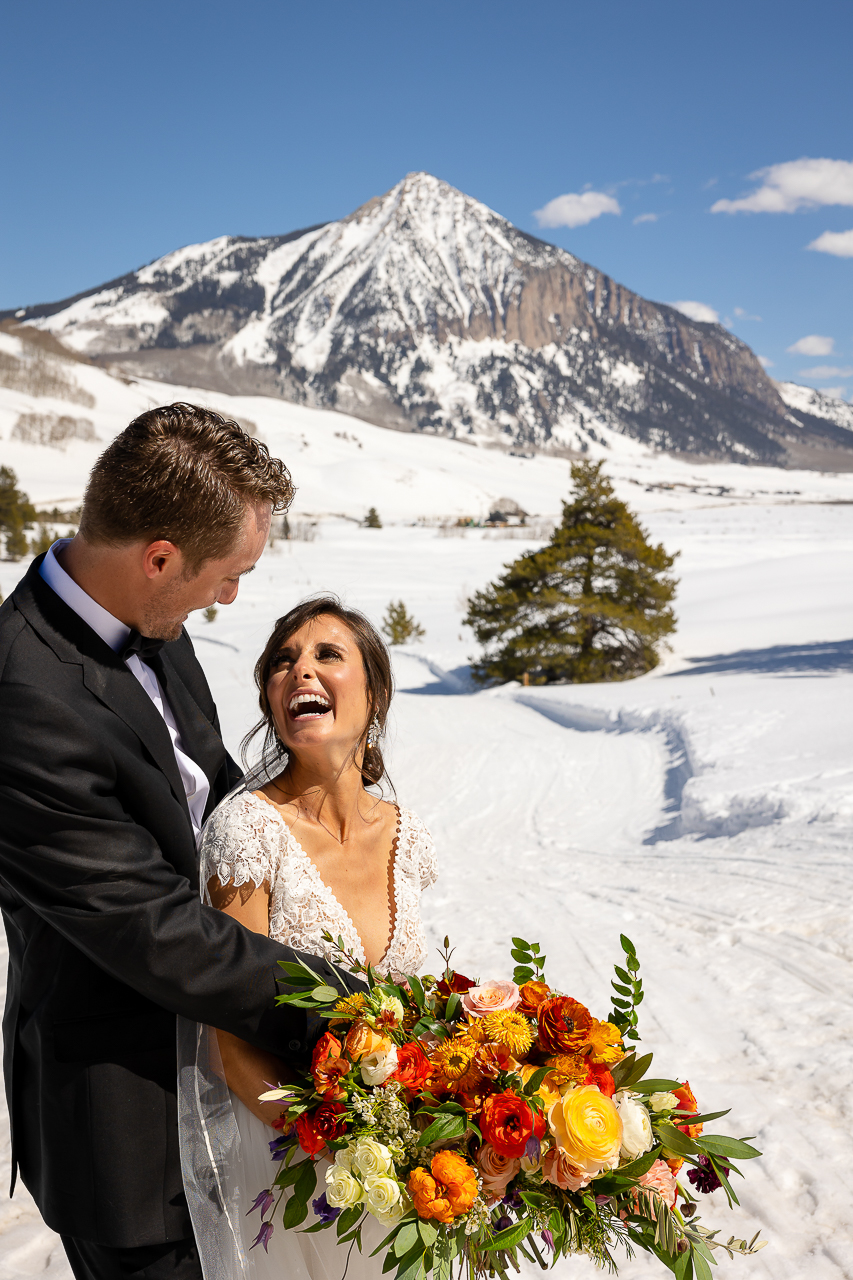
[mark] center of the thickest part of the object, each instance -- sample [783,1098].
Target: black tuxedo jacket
[108,939]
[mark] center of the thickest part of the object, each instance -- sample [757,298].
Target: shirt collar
[111,631]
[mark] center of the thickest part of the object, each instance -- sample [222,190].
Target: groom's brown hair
[185,474]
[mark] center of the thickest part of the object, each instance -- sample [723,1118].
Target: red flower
[413,1067]
[600,1075]
[508,1123]
[457,982]
[315,1128]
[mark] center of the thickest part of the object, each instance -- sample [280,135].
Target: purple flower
[704,1178]
[513,1198]
[533,1150]
[264,1202]
[503,1222]
[263,1236]
[548,1238]
[324,1211]
[600,1200]
[279,1147]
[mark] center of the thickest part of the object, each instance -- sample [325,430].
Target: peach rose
[362,1039]
[587,1126]
[558,1168]
[496,1171]
[660,1179]
[491,997]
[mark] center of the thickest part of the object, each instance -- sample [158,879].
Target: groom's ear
[161,558]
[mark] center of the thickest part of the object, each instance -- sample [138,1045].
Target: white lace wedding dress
[224,1147]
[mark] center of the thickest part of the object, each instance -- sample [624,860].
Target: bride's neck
[336,801]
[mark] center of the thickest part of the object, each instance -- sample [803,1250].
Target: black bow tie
[142,646]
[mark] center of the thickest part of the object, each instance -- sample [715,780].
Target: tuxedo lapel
[119,689]
[200,739]
[104,673]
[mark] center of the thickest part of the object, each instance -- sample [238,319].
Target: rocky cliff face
[426,311]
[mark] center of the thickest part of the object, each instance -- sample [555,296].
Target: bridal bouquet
[480,1121]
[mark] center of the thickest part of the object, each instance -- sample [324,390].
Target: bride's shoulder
[239,815]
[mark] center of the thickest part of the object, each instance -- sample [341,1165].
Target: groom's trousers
[177,1260]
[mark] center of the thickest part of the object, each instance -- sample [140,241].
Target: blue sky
[129,130]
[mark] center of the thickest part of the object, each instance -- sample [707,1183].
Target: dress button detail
[293,1045]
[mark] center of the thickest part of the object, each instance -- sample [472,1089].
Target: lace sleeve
[239,843]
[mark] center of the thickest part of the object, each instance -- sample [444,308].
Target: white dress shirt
[115,634]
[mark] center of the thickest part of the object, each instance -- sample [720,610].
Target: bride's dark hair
[377,671]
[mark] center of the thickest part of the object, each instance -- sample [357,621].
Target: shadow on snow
[780,659]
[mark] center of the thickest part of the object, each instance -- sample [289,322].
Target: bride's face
[317,689]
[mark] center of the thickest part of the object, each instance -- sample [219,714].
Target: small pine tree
[399,625]
[591,605]
[371,520]
[16,543]
[210,613]
[17,513]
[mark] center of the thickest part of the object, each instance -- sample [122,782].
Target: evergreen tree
[371,520]
[43,541]
[594,604]
[17,513]
[210,613]
[399,625]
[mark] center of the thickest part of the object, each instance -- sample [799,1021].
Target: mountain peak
[425,310]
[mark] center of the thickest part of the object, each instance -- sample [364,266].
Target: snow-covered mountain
[426,311]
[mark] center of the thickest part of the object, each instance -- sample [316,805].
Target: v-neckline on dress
[314,872]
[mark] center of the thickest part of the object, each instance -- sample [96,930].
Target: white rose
[343,1158]
[370,1158]
[381,1195]
[637,1136]
[530,1166]
[663,1102]
[342,1189]
[377,1067]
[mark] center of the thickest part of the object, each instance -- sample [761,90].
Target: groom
[110,760]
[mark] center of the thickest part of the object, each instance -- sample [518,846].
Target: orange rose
[447,1191]
[508,1123]
[533,994]
[362,1039]
[563,1025]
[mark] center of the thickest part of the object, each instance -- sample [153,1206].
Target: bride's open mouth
[308,706]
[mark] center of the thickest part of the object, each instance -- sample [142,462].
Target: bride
[308,848]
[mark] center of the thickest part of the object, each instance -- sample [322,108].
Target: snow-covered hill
[425,310]
[56,414]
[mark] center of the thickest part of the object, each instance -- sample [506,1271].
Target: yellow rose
[587,1126]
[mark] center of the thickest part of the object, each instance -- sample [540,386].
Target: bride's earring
[373,732]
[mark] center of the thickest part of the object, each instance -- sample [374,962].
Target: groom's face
[177,593]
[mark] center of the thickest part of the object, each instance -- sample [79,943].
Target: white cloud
[646,217]
[812,345]
[697,311]
[765,363]
[797,184]
[576,209]
[744,315]
[821,371]
[839,243]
